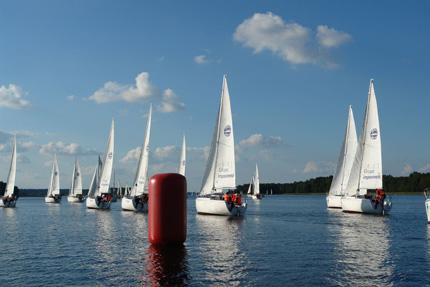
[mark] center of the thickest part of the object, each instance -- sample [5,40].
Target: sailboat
[53,195]
[75,193]
[427,203]
[366,172]
[98,194]
[344,164]
[9,198]
[181,169]
[255,194]
[220,174]
[137,200]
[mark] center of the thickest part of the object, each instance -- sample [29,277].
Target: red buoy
[167,209]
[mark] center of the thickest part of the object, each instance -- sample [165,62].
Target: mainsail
[76,185]
[181,169]
[54,184]
[220,170]
[106,171]
[12,172]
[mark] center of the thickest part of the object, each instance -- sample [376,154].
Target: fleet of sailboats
[75,192]
[217,194]
[137,200]
[53,195]
[98,194]
[344,164]
[9,198]
[366,172]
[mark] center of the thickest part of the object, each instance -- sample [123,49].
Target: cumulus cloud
[143,91]
[291,42]
[169,153]
[319,167]
[170,102]
[132,156]
[407,170]
[425,168]
[201,59]
[259,140]
[11,97]
[65,149]
[330,38]
[71,97]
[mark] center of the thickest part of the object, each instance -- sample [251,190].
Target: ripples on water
[282,241]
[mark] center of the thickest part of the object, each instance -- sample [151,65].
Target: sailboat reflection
[361,253]
[166,266]
[220,240]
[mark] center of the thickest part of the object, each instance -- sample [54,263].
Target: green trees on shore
[415,182]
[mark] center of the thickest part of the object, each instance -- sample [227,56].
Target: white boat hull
[256,197]
[129,203]
[428,210]
[6,203]
[352,204]
[334,201]
[215,206]
[52,199]
[75,199]
[94,203]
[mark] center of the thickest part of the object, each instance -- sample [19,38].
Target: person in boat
[380,197]
[227,198]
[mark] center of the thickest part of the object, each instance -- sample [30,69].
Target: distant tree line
[3,189]
[415,182]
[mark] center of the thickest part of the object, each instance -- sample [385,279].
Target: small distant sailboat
[9,198]
[366,172]
[255,185]
[98,194]
[114,191]
[344,164]
[75,193]
[137,200]
[181,169]
[427,203]
[220,174]
[53,195]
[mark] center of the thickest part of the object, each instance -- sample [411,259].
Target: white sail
[366,172]
[12,172]
[251,187]
[106,170]
[220,170]
[54,184]
[346,158]
[96,178]
[256,181]
[181,169]
[119,189]
[142,168]
[76,185]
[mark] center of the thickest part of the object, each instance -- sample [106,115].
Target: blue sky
[293,68]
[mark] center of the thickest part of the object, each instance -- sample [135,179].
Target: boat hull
[52,199]
[215,206]
[94,203]
[75,199]
[256,197]
[129,203]
[352,204]
[428,210]
[7,203]
[334,201]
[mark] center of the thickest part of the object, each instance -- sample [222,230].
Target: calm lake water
[282,241]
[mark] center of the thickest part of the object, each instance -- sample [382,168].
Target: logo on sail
[110,155]
[374,134]
[227,130]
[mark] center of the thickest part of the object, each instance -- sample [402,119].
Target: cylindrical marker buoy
[167,209]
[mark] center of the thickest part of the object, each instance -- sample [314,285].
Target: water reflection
[361,251]
[166,266]
[224,261]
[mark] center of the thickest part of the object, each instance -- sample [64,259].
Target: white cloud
[169,153]
[259,140]
[143,91]
[170,102]
[71,97]
[132,156]
[292,42]
[407,170]
[11,97]
[330,38]
[201,59]
[65,149]
[425,168]
[319,167]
